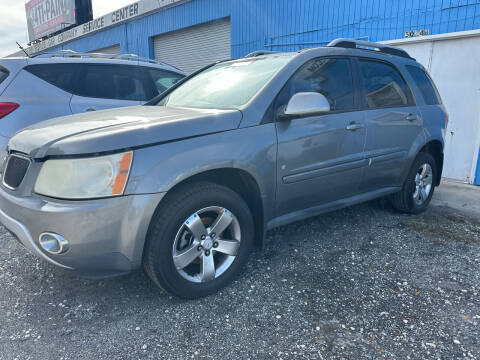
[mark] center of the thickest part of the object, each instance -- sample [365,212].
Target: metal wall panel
[477,176]
[453,65]
[290,25]
[192,48]
[113,50]
[102,39]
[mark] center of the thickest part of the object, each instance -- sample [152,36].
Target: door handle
[412,117]
[353,126]
[90,109]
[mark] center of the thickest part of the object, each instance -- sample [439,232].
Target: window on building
[119,82]
[425,84]
[62,76]
[383,85]
[163,79]
[331,77]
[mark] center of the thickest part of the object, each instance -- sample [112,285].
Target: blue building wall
[290,25]
[293,24]
[477,175]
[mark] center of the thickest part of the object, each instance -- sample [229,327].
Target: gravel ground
[360,283]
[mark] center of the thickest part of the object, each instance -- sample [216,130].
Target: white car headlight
[85,178]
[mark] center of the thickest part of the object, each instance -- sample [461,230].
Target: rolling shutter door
[113,50]
[194,47]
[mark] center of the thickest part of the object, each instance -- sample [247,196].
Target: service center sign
[129,12]
[48,16]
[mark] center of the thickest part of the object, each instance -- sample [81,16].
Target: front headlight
[84,178]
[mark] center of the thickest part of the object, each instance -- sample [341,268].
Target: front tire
[418,189]
[199,240]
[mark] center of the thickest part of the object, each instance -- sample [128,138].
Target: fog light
[54,243]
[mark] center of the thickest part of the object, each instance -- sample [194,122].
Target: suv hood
[118,129]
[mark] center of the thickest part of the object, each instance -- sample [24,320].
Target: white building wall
[453,60]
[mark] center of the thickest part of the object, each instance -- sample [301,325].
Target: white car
[65,83]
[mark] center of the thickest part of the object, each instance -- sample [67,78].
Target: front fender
[253,149]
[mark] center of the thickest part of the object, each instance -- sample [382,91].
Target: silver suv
[65,83]
[188,184]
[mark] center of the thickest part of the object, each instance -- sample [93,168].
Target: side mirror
[306,103]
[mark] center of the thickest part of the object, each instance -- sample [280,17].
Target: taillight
[7,108]
[446,120]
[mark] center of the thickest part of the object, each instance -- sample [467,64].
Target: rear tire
[185,223]
[418,189]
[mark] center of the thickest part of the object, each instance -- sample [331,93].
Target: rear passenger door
[105,86]
[393,123]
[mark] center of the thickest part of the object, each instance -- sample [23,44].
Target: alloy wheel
[206,244]
[423,184]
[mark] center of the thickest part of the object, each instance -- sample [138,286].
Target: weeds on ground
[447,226]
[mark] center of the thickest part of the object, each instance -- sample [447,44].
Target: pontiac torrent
[188,184]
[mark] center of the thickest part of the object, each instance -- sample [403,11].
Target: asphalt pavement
[359,283]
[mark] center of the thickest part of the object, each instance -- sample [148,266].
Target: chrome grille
[15,169]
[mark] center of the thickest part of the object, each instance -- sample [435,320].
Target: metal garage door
[114,50]
[192,48]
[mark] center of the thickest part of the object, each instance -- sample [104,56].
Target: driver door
[320,158]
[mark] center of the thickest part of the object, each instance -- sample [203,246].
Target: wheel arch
[238,180]
[431,145]
[435,148]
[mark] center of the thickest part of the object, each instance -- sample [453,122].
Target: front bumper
[106,236]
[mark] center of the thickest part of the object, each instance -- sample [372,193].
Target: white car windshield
[226,85]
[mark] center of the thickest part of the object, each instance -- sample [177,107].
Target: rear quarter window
[117,82]
[425,85]
[3,74]
[163,79]
[62,76]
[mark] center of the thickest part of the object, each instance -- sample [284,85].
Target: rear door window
[163,79]
[383,85]
[63,76]
[425,84]
[118,82]
[3,74]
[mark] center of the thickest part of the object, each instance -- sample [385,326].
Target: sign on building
[45,17]
[417,33]
[129,12]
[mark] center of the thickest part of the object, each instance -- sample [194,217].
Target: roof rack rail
[260,53]
[354,44]
[75,54]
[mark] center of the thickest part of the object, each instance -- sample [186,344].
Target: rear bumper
[106,236]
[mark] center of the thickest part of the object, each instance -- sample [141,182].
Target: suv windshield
[226,85]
